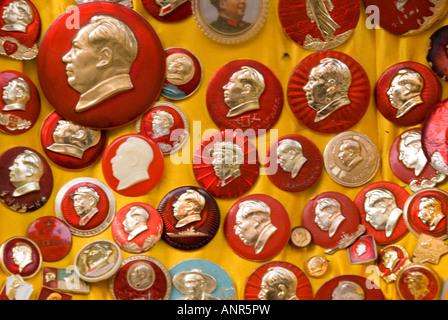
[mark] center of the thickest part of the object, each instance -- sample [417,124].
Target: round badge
[199,279]
[425,213]
[167,125]
[293,163]
[380,206]
[409,163]
[406,92]
[363,250]
[391,260]
[226,164]
[319,25]
[418,282]
[86,205]
[245,95]
[349,287]
[191,218]
[141,277]
[52,236]
[20,103]
[20,28]
[257,227]
[437,45]
[132,165]
[98,260]
[278,280]
[183,74]
[30,181]
[114,91]
[230,23]
[137,227]
[300,237]
[329,217]
[351,159]
[434,138]
[407,17]
[70,145]
[20,256]
[316,266]
[168,11]
[342,105]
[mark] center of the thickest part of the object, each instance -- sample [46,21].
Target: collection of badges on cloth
[112,71]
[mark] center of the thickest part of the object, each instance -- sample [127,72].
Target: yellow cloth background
[376,50]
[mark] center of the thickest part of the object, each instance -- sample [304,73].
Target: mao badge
[19,29]
[96,66]
[245,95]
[349,287]
[30,181]
[418,282]
[319,24]
[168,10]
[328,92]
[257,227]
[20,104]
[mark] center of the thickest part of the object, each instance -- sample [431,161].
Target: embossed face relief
[405,90]
[17,16]
[180,68]
[278,284]
[162,122]
[135,221]
[319,13]
[97,255]
[22,255]
[350,153]
[25,173]
[379,206]
[411,151]
[348,290]
[417,284]
[430,211]
[16,94]
[141,276]
[227,158]
[328,215]
[85,201]
[290,156]
[188,207]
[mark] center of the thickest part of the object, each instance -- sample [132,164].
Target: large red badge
[137,227]
[319,24]
[294,163]
[70,145]
[101,83]
[278,280]
[20,103]
[418,282]
[245,95]
[27,180]
[349,287]
[406,92]
[226,164]
[132,165]
[328,92]
[191,218]
[380,206]
[19,29]
[257,227]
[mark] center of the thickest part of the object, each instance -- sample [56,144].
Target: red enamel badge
[168,11]
[20,256]
[349,287]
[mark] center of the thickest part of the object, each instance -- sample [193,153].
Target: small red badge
[168,11]
[20,256]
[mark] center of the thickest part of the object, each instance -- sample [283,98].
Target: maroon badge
[137,227]
[70,145]
[319,25]
[20,103]
[407,17]
[87,205]
[226,164]
[418,282]
[168,11]
[183,74]
[20,256]
[380,206]
[166,124]
[363,250]
[132,165]
[27,180]
[320,107]
[425,213]
[408,161]
[435,137]
[19,29]
[121,86]
[278,280]
[141,278]
[52,236]
[257,227]
[406,92]
[49,294]
[294,163]
[191,218]
[329,217]
[349,287]
[246,95]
